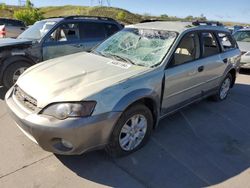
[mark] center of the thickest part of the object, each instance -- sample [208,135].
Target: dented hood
[74,77]
[5,42]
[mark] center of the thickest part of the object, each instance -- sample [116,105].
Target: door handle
[225,60]
[200,69]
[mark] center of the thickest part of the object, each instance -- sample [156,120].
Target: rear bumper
[84,134]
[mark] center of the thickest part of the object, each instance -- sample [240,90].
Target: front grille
[26,100]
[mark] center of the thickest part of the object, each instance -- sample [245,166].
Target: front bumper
[84,134]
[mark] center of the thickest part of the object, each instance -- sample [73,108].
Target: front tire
[224,88]
[12,73]
[131,132]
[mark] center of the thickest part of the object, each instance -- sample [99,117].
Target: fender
[137,95]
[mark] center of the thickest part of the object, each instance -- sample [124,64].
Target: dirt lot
[205,144]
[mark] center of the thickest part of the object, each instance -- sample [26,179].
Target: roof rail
[151,20]
[89,17]
[209,23]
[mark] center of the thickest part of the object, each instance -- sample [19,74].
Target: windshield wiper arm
[123,58]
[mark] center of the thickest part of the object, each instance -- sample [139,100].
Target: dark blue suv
[52,38]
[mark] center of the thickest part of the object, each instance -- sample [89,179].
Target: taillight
[2,31]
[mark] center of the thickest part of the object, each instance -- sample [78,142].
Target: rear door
[214,61]
[184,77]
[64,40]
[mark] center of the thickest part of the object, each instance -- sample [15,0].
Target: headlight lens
[70,109]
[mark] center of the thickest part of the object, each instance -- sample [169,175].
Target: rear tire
[131,132]
[13,71]
[224,89]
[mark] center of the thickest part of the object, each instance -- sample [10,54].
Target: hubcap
[225,88]
[17,73]
[133,132]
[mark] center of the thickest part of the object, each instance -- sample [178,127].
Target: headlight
[69,109]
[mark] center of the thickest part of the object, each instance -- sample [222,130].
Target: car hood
[74,77]
[244,46]
[13,42]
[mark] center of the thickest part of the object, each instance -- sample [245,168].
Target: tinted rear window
[92,30]
[7,22]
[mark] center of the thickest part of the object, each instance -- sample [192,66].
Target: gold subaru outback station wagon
[114,96]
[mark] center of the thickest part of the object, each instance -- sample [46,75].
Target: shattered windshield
[38,30]
[144,47]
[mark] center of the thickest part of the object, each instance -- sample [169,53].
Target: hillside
[112,12]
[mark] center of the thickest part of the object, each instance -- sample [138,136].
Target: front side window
[65,32]
[227,42]
[188,50]
[38,30]
[242,36]
[210,46]
[144,47]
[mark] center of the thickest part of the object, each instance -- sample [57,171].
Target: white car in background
[10,28]
[243,39]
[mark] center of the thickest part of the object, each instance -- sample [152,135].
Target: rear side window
[111,29]
[210,46]
[92,31]
[226,41]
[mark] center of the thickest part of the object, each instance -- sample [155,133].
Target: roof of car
[175,26]
[89,18]
[245,29]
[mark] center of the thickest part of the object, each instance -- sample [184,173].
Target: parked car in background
[114,96]
[243,39]
[51,38]
[237,27]
[10,28]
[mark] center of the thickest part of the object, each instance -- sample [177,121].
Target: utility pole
[101,2]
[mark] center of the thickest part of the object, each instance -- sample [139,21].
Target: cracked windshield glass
[143,47]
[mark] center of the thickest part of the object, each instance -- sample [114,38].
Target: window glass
[90,31]
[144,47]
[242,36]
[66,32]
[111,29]
[226,41]
[210,46]
[38,30]
[187,50]
[15,23]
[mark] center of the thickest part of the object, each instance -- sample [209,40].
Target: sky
[222,10]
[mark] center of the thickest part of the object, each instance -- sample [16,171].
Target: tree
[164,16]
[28,15]
[2,6]
[121,16]
[190,18]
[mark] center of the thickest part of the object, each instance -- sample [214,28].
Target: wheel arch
[7,61]
[143,96]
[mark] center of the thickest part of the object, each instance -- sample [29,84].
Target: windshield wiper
[122,58]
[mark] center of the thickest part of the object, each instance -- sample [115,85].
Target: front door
[64,40]
[184,76]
